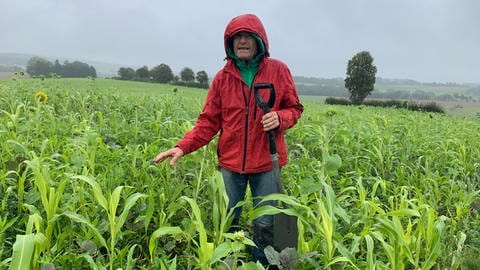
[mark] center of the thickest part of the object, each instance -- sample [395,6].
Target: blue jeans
[261,184]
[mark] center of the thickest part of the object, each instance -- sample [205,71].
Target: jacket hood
[247,23]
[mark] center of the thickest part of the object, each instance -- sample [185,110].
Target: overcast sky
[423,40]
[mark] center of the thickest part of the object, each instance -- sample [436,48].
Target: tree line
[38,66]
[358,84]
[163,74]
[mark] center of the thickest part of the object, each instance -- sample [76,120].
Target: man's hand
[175,153]
[270,121]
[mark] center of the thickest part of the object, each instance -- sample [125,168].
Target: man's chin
[244,57]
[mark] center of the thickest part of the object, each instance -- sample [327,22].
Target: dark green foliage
[190,84]
[77,69]
[129,74]
[187,75]
[126,73]
[37,66]
[426,107]
[337,101]
[142,73]
[386,103]
[471,259]
[360,79]
[162,74]
[409,105]
[202,78]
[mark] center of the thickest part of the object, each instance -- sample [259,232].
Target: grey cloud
[421,40]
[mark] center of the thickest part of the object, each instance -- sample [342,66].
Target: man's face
[244,46]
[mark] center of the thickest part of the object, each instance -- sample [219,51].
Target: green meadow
[373,188]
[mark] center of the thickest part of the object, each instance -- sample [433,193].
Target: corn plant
[162,231]
[372,188]
[27,248]
[223,244]
[6,222]
[109,204]
[50,196]
[418,246]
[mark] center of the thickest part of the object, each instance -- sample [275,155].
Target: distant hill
[12,60]
[378,81]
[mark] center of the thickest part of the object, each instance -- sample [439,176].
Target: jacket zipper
[247,107]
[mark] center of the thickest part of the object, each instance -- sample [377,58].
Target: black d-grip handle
[266,109]
[260,102]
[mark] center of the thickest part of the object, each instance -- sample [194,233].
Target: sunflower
[41,96]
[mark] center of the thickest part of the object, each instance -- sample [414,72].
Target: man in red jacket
[231,111]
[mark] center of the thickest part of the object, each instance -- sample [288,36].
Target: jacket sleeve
[207,125]
[290,107]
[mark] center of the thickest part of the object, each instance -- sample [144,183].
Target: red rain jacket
[231,111]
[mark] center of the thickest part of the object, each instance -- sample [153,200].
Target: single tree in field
[162,73]
[187,75]
[360,78]
[202,78]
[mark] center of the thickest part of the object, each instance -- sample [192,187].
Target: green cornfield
[372,188]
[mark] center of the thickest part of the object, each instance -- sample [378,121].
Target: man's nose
[243,37]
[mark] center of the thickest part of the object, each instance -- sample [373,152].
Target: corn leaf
[159,233]
[23,250]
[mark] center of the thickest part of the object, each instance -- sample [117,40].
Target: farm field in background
[372,188]
[457,108]
[6,75]
[434,88]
